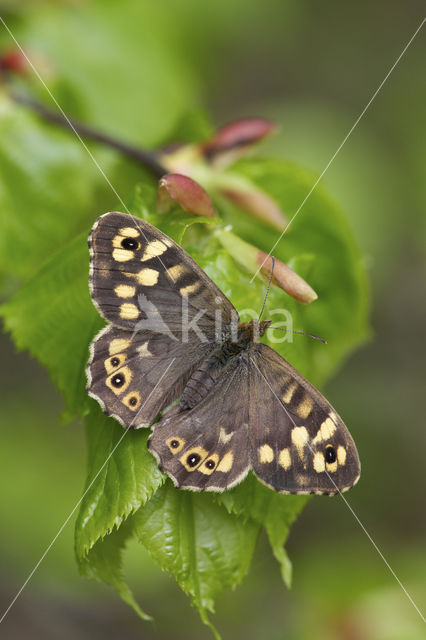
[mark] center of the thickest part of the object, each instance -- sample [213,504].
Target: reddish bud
[254,260]
[14,61]
[20,62]
[258,203]
[236,135]
[286,278]
[175,188]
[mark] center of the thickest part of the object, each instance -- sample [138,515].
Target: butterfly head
[252,331]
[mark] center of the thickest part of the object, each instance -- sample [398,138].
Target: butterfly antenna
[267,290]
[300,333]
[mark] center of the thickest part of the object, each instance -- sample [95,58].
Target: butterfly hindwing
[135,376]
[140,277]
[298,443]
[205,448]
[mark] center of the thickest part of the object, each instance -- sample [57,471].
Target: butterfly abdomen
[205,376]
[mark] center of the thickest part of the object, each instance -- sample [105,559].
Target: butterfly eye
[330,454]
[130,244]
[118,380]
[210,464]
[115,362]
[174,444]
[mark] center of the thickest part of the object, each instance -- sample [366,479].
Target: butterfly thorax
[249,332]
[205,376]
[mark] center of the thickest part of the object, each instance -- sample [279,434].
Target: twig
[145,158]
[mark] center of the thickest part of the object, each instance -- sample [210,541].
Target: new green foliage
[205,541]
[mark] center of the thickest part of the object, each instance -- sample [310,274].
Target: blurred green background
[135,68]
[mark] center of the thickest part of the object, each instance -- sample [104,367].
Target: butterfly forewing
[298,443]
[140,277]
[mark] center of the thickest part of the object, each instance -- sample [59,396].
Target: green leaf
[53,317]
[121,69]
[47,186]
[192,127]
[195,539]
[122,476]
[104,562]
[272,510]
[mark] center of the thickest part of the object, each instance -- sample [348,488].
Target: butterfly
[174,336]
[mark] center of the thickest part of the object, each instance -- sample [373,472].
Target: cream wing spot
[176,272]
[305,407]
[328,427]
[224,437]
[341,455]
[122,255]
[147,277]
[266,454]
[284,459]
[325,432]
[118,344]
[129,232]
[125,291]
[129,311]
[190,288]
[332,466]
[154,249]
[289,393]
[226,462]
[143,350]
[299,437]
[319,462]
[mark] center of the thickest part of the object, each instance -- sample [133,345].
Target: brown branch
[147,159]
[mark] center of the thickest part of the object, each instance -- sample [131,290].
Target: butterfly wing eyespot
[309,449]
[130,244]
[175,444]
[330,454]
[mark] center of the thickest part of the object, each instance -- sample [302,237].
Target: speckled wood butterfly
[174,335]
